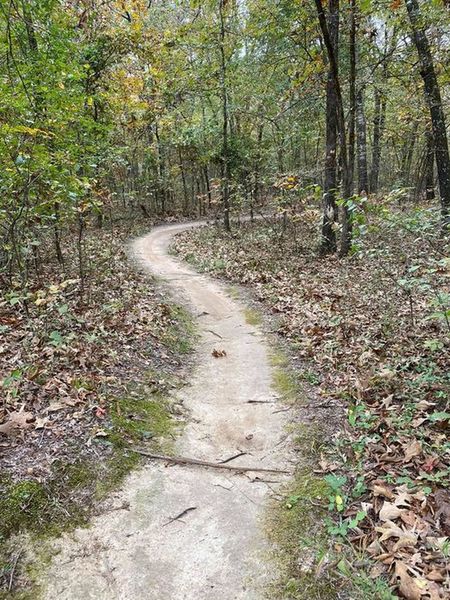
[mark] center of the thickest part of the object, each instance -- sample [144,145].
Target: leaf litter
[379,353]
[69,351]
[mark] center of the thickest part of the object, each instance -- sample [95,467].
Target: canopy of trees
[157,108]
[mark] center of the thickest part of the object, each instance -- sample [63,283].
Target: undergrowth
[115,362]
[371,335]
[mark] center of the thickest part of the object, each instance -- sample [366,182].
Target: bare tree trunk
[81,271]
[378,130]
[407,155]
[347,184]
[433,98]
[161,185]
[183,178]
[352,92]
[225,163]
[207,184]
[57,235]
[330,181]
[362,143]
[257,168]
[428,179]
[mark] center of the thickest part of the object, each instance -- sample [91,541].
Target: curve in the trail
[218,550]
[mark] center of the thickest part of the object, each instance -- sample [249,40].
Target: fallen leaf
[40,422]
[436,575]
[382,489]
[390,529]
[17,420]
[442,499]
[389,511]
[408,586]
[430,463]
[415,522]
[55,406]
[412,449]
[218,353]
[403,499]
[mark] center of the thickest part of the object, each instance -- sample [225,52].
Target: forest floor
[181,531]
[370,334]
[87,373]
[188,531]
[358,408]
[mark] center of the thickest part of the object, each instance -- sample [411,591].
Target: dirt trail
[216,551]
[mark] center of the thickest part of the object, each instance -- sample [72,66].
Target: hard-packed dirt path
[217,549]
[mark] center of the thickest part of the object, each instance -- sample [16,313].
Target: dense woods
[150,109]
[326,124]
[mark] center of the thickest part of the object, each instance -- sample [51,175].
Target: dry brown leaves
[218,353]
[369,348]
[60,367]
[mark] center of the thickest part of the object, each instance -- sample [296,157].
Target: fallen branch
[181,460]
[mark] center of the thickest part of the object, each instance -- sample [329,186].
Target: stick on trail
[182,460]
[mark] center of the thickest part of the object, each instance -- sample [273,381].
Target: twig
[214,333]
[260,401]
[182,514]
[180,460]
[222,462]
[13,570]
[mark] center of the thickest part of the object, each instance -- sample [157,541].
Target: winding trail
[219,550]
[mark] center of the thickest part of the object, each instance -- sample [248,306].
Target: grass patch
[305,552]
[21,505]
[285,380]
[302,546]
[253,317]
[138,418]
[142,416]
[66,500]
[296,524]
[180,334]
[310,439]
[233,292]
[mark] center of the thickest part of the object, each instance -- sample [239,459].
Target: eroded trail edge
[186,532]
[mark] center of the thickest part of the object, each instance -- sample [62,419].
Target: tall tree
[346,237]
[361,128]
[225,158]
[378,129]
[429,166]
[352,91]
[434,101]
[330,180]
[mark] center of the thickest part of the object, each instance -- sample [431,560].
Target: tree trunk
[362,143]
[257,168]
[352,92]
[57,234]
[185,190]
[346,173]
[161,185]
[330,181]
[378,129]
[429,166]
[225,163]
[207,184]
[407,155]
[433,98]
